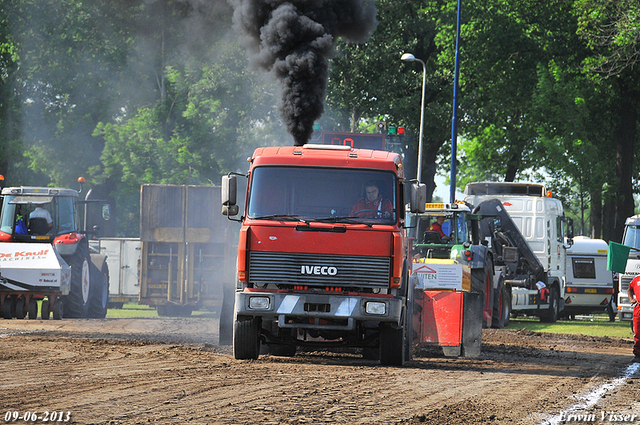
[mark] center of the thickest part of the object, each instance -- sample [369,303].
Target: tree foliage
[129,92]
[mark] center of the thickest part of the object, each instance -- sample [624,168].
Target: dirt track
[170,371]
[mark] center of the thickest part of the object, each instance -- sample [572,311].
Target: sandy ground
[171,371]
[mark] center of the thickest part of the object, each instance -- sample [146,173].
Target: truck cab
[535,226]
[322,253]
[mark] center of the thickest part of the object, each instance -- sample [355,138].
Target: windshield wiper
[335,218]
[342,219]
[281,216]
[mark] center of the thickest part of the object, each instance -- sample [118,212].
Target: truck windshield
[632,236]
[323,194]
[454,225]
[60,210]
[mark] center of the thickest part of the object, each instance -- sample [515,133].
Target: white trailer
[541,222]
[589,285]
[123,259]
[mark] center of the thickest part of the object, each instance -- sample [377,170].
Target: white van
[589,285]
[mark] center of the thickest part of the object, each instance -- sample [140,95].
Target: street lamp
[410,58]
[454,119]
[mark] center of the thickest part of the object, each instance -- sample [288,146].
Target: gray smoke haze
[294,39]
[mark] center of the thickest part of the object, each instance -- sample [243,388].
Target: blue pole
[454,123]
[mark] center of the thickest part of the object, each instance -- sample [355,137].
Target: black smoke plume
[294,39]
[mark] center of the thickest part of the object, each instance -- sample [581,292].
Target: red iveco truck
[314,268]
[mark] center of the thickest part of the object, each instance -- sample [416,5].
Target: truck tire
[509,312]
[246,338]
[99,292]
[77,302]
[392,349]
[501,307]
[45,313]
[33,309]
[551,314]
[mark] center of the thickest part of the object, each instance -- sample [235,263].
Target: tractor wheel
[77,302]
[45,313]
[99,292]
[33,309]
[392,349]
[246,338]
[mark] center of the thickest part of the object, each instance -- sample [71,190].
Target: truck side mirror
[106,212]
[229,192]
[417,197]
[569,231]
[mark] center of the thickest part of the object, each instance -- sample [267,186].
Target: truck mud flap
[472,325]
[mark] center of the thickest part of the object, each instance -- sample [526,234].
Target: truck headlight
[375,307]
[259,303]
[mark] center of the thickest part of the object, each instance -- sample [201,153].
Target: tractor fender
[98,260]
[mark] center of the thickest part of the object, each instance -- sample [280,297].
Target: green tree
[575,117]
[368,83]
[612,30]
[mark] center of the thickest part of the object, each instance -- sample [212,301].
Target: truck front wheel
[246,337]
[501,307]
[551,315]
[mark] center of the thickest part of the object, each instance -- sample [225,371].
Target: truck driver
[372,205]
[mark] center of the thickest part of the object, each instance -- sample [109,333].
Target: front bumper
[318,311]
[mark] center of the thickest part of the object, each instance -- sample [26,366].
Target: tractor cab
[37,214]
[441,227]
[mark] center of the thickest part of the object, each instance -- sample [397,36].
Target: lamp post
[410,58]
[454,120]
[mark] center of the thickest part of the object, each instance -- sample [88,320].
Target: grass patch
[594,325]
[130,310]
[133,310]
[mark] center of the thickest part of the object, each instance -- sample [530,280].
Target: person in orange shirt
[437,227]
[634,293]
[373,205]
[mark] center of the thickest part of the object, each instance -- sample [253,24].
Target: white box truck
[589,285]
[536,270]
[123,259]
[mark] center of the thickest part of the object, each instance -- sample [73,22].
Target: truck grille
[281,268]
[625,280]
